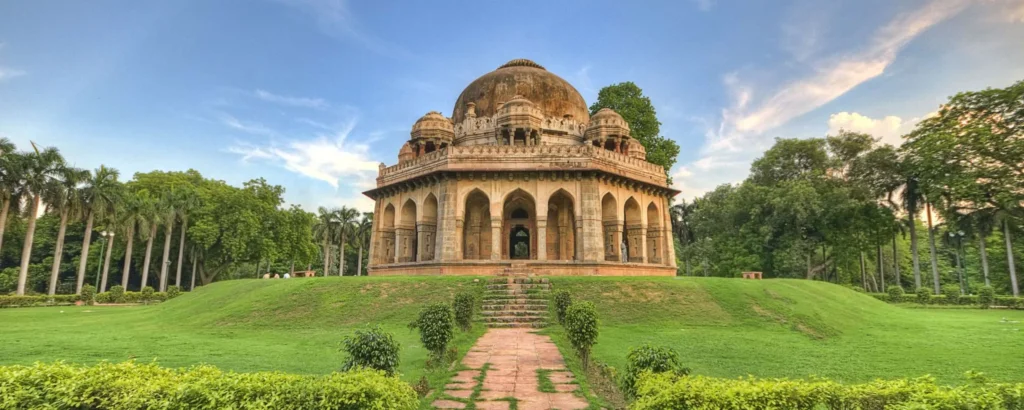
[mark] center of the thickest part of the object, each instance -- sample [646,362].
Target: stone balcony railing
[524,158]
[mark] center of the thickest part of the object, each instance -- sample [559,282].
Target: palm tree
[322,230]
[931,245]
[912,204]
[1008,238]
[112,221]
[188,201]
[363,231]
[153,214]
[344,219]
[99,197]
[169,205]
[38,171]
[133,215]
[681,214]
[64,196]
[10,180]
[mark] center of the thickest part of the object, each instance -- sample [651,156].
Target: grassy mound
[721,327]
[796,328]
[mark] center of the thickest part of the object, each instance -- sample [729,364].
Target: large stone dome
[554,96]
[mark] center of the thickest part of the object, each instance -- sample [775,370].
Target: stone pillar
[450,235]
[670,245]
[542,237]
[372,257]
[406,237]
[591,233]
[496,239]
[425,233]
[655,248]
[613,241]
[642,243]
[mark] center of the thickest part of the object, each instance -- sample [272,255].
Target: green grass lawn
[796,328]
[721,327]
[293,325]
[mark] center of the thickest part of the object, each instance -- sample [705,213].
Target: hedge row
[964,300]
[131,385]
[666,391]
[65,300]
[131,297]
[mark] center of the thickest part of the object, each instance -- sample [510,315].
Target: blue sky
[313,94]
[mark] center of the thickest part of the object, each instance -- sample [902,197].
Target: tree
[169,207]
[10,181]
[629,101]
[99,197]
[322,231]
[133,216]
[39,170]
[682,228]
[188,201]
[344,219]
[363,234]
[154,214]
[64,196]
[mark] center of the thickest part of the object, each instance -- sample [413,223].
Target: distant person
[266,276]
[286,276]
[276,276]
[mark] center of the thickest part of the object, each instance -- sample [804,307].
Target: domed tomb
[552,95]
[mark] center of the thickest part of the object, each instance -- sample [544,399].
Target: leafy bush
[463,306]
[37,300]
[116,294]
[1010,302]
[952,293]
[562,301]
[668,391]
[924,295]
[88,295]
[986,295]
[648,358]
[173,292]
[895,293]
[435,324]
[372,348]
[147,386]
[581,327]
[146,294]
[104,298]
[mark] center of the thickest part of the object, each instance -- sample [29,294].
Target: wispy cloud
[318,103]
[248,127]
[890,129]
[741,133]
[7,73]
[335,19]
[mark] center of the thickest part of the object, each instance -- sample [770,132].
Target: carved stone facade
[524,177]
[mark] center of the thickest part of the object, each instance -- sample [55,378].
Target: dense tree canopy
[630,102]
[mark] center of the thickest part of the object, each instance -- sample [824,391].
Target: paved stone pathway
[510,361]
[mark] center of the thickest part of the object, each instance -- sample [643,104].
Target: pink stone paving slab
[515,356]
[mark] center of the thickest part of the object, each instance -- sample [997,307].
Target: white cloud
[247,127]
[330,158]
[7,73]
[704,5]
[741,133]
[890,128]
[318,103]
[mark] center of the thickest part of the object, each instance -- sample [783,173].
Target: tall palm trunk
[896,262]
[291,270]
[327,257]
[3,220]
[106,266]
[181,250]
[931,245]
[913,251]
[168,231]
[149,253]
[58,252]
[127,257]
[26,250]
[984,259]
[86,240]
[359,263]
[1009,258]
[341,257]
[881,270]
[863,273]
[193,284]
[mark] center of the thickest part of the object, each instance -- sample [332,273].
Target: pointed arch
[406,232]
[634,231]
[426,229]
[612,228]
[560,237]
[387,234]
[476,231]
[519,226]
[655,235]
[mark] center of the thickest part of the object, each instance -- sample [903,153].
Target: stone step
[516,306]
[513,319]
[519,286]
[516,325]
[531,314]
[513,296]
[516,292]
[500,280]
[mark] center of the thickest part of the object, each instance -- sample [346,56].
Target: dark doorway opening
[519,242]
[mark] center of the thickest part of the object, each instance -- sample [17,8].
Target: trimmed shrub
[562,301]
[952,293]
[895,293]
[104,298]
[436,327]
[581,327]
[37,300]
[116,294]
[924,295]
[986,295]
[173,292]
[88,295]
[131,385]
[463,306]
[667,391]
[649,358]
[147,294]
[372,348]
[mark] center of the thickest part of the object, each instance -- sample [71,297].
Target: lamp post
[99,265]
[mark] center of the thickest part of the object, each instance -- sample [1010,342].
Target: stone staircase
[516,300]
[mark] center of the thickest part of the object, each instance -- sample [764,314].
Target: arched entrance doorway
[476,241]
[519,225]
